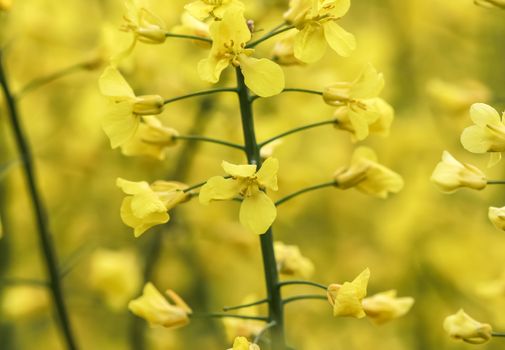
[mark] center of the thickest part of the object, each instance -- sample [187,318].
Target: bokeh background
[438,57]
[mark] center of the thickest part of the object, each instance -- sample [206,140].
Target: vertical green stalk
[45,238]
[275,307]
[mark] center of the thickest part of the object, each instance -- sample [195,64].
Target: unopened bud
[151,34]
[148,105]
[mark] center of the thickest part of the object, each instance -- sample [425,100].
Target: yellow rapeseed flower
[488,133]
[257,211]
[230,36]
[156,310]
[144,24]
[316,22]
[151,139]
[367,175]
[148,205]
[241,343]
[497,217]
[386,306]
[461,326]
[450,175]
[346,298]
[202,9]
[122,120]
[359,110]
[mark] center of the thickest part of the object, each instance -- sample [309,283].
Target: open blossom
[359,110]
[230,36]
[202,9]
[241,343]
[346,298]
[316,22]
[461,326]
[488,133]
[158,311]
[257,211]
[367,175]
[144,24]
[123,118]
[450,175]
[148,205]
[151,139]
[386,306]
[291,262]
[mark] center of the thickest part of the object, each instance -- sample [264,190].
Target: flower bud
[337,94]
[284,52]
[461,326]
[450,175]
[148,105]
[290,261]
[346,298]
[497,217]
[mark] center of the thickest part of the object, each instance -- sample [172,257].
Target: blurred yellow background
[438,57]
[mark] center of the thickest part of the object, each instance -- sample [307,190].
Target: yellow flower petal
[257,212]
[338,8]
[132,187]
[112,84]
[120,124]
[234,170]
[146,203]
[199,9]
[210,69]
[475,139]
[339,40]
[359,125]
[368,85]
[262,76]
[483,114]
[219,188]
[267,175]
[494,158]
[310,44]
[232,28]
[347,301]
[140,225]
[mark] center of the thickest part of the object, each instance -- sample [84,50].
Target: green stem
[308,283]
[496,182]
[498,334]
[200,93]
[252,150]
[225,315]
[46,242]
[304,297]
[305,91]
[209,139]
[268,36]
[192,37]
[304,190]
[295,130]
[39,82]
[243,306]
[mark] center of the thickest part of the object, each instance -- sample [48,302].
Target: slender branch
[259,302]
[46,242]
[496,182]
[295,130]
[268,36]
[252,151]
[41,81]
[200,93]
[304,190]
[305,91]
[258,336]
[210,140]
[185,36]
[308,283]
[304,297]
[498,334]
[23,281]
[226,315]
